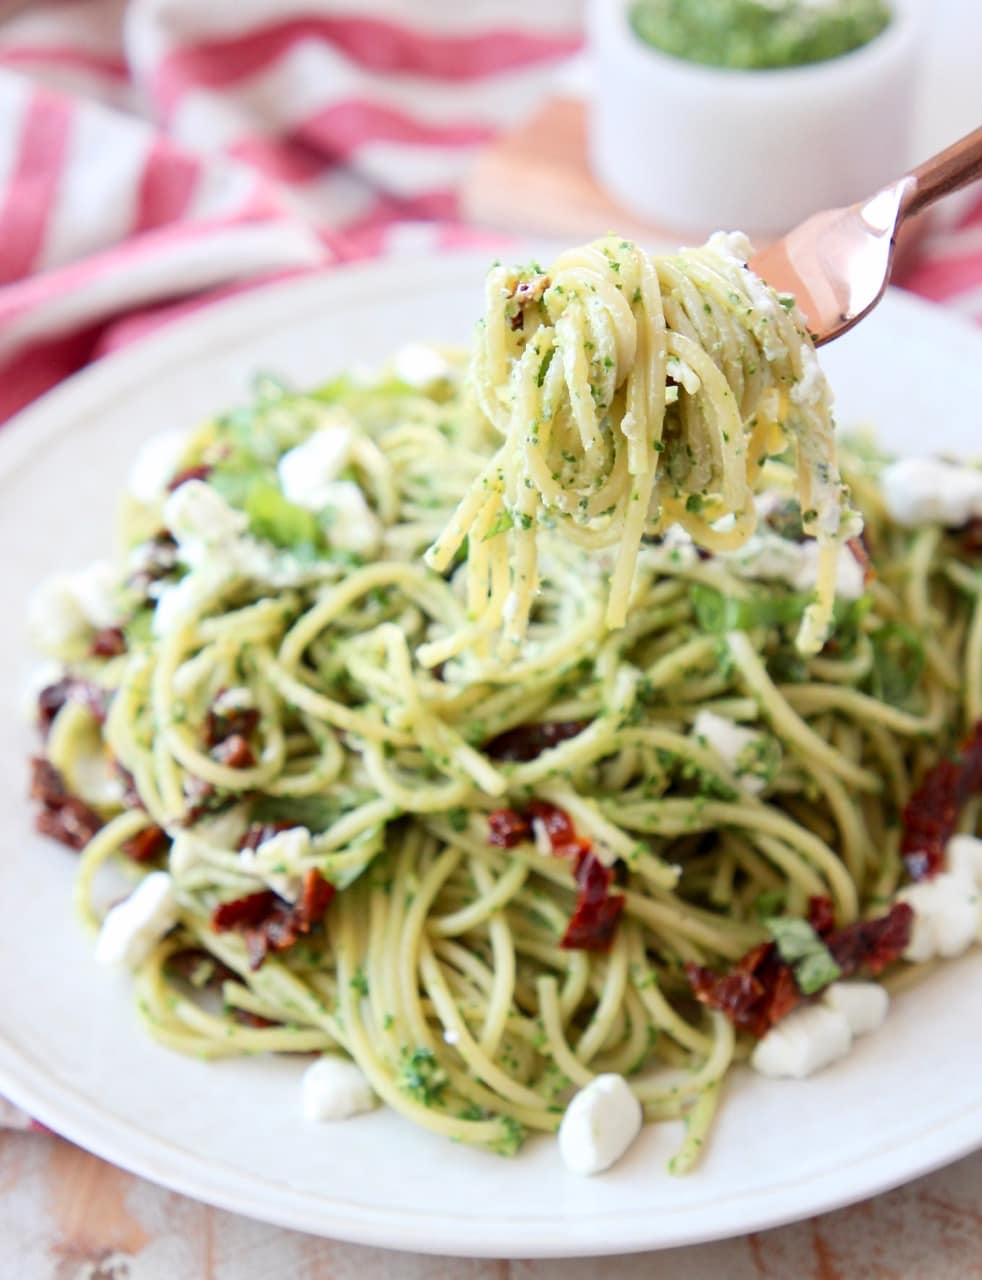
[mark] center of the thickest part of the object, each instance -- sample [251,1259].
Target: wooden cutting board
[536,182]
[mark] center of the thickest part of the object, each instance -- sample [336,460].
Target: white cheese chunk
[54,615]
[278,861]
[963,859]
[197,591]
[946,916]
[864,1005]
[599,1125]
[335,1089]
[734,745]
[200,519]
[306,472]
[804,1042]
[770,558]
[237,698]
[134,926]
[156,465]
[353,526]
[931,491]
[420,365]
[65,608]
[97,590]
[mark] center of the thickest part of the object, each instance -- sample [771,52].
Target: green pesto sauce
[759,34]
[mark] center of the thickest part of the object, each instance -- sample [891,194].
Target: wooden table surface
[65,1215]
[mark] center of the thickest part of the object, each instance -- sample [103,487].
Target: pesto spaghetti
[487,882]
[633,394]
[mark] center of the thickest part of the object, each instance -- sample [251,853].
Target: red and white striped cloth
[160,149]
[160,153]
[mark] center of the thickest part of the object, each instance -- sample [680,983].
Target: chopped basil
[800,946]
[503,522]
[898,661]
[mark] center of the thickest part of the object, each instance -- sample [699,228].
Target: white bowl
[694,148]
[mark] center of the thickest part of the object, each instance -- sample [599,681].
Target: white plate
[71,1051]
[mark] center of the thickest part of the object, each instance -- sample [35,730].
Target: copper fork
[838,263]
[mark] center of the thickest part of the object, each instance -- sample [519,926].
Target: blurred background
[160,153]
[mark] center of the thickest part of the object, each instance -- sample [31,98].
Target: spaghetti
[633,394]
[485,882]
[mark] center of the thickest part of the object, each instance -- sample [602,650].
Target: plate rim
[83,1120]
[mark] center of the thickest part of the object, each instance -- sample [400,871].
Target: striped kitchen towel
[163,149]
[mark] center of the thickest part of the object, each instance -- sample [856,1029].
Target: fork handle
[949,171]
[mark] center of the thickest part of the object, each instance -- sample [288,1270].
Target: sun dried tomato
[859,546]
[557,822]
[234,751]
[872,945]
[524,294]
[201,472]
[223,723]
[528,741]
[316,896]
[157,560]
[507,828]
[267,923]
[597,912]
[62,816]
[147,844]
[247,910]
[109,642]
[930,817]
[86,693]
[970,537]
[761,989]
[259,832]
[821,915]
[756,993]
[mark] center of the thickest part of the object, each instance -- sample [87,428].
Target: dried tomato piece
[597,913]
[528,741]
[259,832]
[859,546]
[254,1020]
[201,472]
[248,910]
[157,559]
[316,896]
[234,751]
[224,721]
[761,989]
[267,923]
[147,844]
[756,993]
[872,945]
[523,295]
[62,816]
[53,697]
[557,823]
[507,828]
[821,915]
[108,642]
[930,817]
[970,537]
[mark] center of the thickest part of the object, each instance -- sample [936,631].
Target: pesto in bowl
[756,35]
